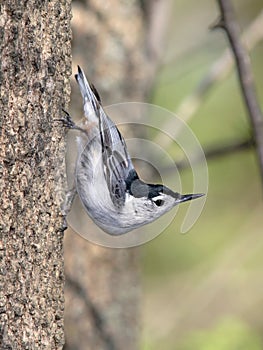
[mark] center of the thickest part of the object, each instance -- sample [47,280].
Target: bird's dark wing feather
[117,162]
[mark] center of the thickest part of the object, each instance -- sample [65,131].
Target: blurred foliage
[193,282]
[229,334]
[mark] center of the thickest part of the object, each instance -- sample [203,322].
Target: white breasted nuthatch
[113,195]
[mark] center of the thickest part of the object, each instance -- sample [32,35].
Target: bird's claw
[66,120]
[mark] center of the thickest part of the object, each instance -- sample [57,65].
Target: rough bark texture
[35,66]
[102,285]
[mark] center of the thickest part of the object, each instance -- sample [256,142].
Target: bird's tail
[91,99]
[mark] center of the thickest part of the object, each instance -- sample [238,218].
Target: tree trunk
[35,66]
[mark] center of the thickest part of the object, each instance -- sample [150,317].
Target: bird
[108,185]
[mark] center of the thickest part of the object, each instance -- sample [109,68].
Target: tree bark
[35,63]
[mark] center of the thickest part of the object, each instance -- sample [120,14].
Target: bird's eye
[159,202]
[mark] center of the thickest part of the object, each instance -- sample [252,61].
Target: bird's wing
[117,163]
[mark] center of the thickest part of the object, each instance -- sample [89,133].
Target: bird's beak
[189,197]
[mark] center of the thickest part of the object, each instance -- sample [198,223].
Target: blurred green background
[204,289]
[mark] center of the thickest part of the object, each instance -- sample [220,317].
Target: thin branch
[245,75]
[238,146]
[218,72]
[215,153]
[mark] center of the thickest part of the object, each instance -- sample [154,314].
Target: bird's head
[156,200]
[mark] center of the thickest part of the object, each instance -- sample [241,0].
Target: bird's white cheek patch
[158,197]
